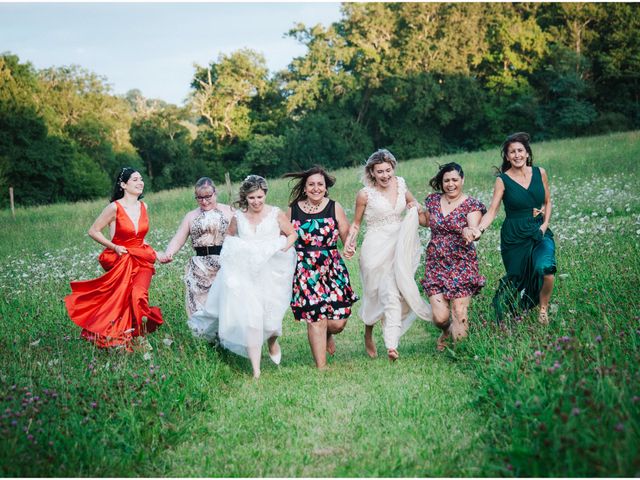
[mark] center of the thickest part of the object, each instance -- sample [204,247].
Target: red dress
[110,308]
[451,266]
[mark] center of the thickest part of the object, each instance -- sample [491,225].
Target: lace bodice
[267,229]
[380,211]
[208,228]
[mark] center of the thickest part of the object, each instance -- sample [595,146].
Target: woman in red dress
[451,275]
[114,308]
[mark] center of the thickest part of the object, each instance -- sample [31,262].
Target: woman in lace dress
[251,293]
[390,253]
[207,226]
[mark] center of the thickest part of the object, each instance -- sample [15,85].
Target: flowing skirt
[389,258]
[249,296]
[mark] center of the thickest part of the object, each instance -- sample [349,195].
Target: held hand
[410,205]
[120,250]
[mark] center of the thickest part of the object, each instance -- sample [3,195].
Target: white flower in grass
[609,210]
[36,343]
[167,341]
[594,214]
[147,356]
[553,308]
[563,275]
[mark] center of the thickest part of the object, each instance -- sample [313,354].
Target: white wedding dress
[251,293]
[389,258]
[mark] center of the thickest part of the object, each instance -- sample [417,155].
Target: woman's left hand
[543,228]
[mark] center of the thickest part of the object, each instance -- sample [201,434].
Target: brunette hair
[297,192]
[436,182]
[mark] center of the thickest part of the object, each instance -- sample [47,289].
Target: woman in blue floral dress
[451,269]
[322,294]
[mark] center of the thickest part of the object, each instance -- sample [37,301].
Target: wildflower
[94,404]
[575,411]
[598,339]
[619,427]
[518,404]
[161,414]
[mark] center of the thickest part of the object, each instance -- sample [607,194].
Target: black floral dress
[321,286]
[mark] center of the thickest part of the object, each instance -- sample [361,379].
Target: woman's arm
[547,201]
[492,212]
[361,204]
[178,240]
[287,228]
[343,223]
[232,229]
[107,216]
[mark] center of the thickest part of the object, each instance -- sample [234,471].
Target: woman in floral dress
[322,294]
[207,226]
[451,269]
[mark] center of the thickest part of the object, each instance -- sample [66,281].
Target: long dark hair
[520,137]
[436,182]
[297,192]
[123,177]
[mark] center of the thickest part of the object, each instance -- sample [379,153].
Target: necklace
[449,202]
[312,207]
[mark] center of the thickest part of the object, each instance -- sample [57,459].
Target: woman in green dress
[526,242]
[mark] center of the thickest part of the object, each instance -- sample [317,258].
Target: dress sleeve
[429,202]
[474,205]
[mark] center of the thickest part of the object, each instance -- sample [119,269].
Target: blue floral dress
[321,285]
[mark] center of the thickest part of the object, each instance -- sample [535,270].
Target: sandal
[443,342]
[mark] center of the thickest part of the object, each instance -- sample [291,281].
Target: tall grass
[520,399]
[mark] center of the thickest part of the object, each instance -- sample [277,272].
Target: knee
[441,319]
[338,326]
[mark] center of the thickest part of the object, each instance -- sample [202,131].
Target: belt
[208,250]
[314,248]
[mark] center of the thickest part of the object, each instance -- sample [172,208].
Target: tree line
[416,78]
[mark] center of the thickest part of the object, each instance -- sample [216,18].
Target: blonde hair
[249,185]
[380,156]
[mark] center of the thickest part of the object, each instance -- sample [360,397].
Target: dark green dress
[527,254]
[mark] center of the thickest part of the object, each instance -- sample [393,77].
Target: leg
[460,318]
[392,321]
[317,333]
[545,297]
[369,344]
[441,312]
[334,327]
[274,349]
[254,357]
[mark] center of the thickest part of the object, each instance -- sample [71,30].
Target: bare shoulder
[362,195]
[225,209]
[543,172]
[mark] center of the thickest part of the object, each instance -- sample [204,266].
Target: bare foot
[331,345]
[543,316]
[393,354]
[369,344]
[443,341]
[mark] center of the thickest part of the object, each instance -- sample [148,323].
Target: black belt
[209,250]
[314,248]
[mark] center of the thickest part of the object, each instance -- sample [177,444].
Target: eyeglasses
[204,197]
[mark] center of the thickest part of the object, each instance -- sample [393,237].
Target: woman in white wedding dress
[252,290]
[390,253]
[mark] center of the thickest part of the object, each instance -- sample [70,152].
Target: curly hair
[249,185]
[380,156]
[297,192]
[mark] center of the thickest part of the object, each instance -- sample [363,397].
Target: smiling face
[206,198]
[315,188]
[255,200]
[452,184]
[517,155]
[135,184]
[383,174]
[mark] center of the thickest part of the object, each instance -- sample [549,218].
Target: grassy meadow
[515,400]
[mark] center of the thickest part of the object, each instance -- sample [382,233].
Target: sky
[153,46]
